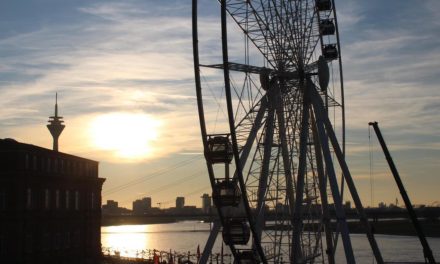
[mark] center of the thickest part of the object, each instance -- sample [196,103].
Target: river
[131,240]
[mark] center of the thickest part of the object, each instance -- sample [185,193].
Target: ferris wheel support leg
[340,214]
[285,153]
[210,243]
[262,184]
[323,192]
[253,133]
[318,104]
[297,214]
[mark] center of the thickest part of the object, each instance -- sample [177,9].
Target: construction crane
[412,214]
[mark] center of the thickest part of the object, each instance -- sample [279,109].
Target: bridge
[374,214]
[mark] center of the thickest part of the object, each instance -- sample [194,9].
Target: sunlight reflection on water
[126,239]
[181,237]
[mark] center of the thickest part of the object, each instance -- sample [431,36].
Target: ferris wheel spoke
[275,41]
[311,41]
[307,30]
[238,67]
[270,35]
[247,18]
[290,29]
[256,19]
[240,97]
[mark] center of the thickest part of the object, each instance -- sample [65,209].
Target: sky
[123,71]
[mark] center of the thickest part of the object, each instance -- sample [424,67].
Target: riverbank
[401,227]
[137,220]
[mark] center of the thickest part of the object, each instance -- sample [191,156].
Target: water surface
[186,236]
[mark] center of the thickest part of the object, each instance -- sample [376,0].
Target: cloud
[130,57]
[391,63]
[136,57]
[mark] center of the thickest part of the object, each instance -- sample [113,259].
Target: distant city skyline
[179,202]
[379,204]
[125,83]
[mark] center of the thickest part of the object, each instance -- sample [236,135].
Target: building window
[26,162]
[55,165]
[29,198]
[62,166]
[2,200]
[57,241]
[48,164]
[57,199]
[46,241]
[3,251]
[28,243]
[42,164]
[76,200]
[67,240]
[46,199]
[92,201]
[76,238]
[67,199]
[34,163]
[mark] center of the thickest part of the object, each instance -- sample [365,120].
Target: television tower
[55,125]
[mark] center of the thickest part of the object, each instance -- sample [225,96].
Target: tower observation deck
[56,125]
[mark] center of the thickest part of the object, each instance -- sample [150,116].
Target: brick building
[50,206]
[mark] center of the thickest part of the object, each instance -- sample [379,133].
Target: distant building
[50,206]
[110,208]
[138,208]
[111,204]
[281,208]
[142,206]
[206,203]
[180,202]
[147,202]
[188,210]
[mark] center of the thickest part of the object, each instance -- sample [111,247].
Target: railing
[151,256]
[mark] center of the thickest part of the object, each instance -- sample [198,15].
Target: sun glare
[126,135]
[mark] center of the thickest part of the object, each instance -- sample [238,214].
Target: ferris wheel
[270,94]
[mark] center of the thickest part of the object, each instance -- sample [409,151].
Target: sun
[127,135]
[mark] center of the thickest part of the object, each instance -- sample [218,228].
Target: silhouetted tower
[56,125]
[206,203]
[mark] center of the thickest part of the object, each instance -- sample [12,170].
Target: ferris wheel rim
[232,127]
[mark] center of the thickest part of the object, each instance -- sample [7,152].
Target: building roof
[11,145]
